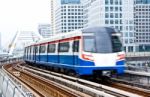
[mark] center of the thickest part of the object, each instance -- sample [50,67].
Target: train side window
[75,46]
[51,48]
[42,49]
[63,47]
[36,49]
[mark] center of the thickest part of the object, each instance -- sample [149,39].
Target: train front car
[102,52]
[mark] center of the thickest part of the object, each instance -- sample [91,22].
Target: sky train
[90,51]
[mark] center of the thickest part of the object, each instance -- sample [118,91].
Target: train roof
[101,30]
[58,37]
[76,33]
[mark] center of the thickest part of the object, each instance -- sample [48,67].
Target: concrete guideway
[96,85]
[84,88]
[146,74]
[135,77]
[106,89]
[41,88]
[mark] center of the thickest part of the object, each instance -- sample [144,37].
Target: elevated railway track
[114,84]
[44,83]
[41,87]
[108,90]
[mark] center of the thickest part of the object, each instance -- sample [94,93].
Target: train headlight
[120,56]
[87,57]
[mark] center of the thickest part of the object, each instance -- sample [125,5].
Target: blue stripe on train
[53,58]
[63,59]
[83,67]
[121,62]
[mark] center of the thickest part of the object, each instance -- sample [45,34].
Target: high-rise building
[142,24]
[103,13]
[112,13]
[68,15]
[128,25]
[45,30]
[52,16]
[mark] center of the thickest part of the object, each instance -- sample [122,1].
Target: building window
[106,2]
[120,8]
[126,34]
[106,9]
[106,22]
[116,21]
[116,15]
[120,15]
[111,8]
[106,15]
[116,8]
[116,2]
[111,15]
[130,49]
[111,1]
[111,22]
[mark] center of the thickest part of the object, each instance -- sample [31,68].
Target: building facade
[128,25]
[142,24]
[45,30]
[68,16]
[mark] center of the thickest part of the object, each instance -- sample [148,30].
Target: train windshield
[116,43]
[102,43]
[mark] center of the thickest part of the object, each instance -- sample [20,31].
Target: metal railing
[137,54]
[10,88]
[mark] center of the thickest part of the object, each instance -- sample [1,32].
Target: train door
[75,49]
[37,53]
[25,52]
[65,53]
[52,54]
[29,53]
[34,55]
[43,53]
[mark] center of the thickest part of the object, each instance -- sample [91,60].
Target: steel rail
[99,87]
[38,81]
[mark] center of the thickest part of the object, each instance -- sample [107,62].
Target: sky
[22,15]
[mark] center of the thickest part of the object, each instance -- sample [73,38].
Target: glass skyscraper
[142,24]
[68,16]
[142,1]
[70,1]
